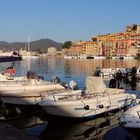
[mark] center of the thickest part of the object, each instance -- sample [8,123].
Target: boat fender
[86,107]
[10,71]
[100,106]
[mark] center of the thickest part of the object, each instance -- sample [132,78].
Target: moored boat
[108,72]
[10,58]
[131,118]
[25,90]
[96,100]
[31,82]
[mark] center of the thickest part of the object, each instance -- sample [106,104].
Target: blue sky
[62,20]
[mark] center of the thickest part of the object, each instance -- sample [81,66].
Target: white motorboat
[25,90]
[28,85]
[111,71]
[131,118]
[97,99]
[32,82]
[6,78]
[108,72]
[7,75]
[26,97]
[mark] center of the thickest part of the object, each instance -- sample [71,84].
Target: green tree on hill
[67,44]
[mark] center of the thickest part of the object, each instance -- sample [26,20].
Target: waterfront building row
[124,43]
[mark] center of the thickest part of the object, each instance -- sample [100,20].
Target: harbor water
[38,124]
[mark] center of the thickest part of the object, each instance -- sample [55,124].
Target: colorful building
[109,45]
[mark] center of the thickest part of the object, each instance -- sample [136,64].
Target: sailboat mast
[28,49]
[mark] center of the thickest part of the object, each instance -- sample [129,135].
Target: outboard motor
[56,79]
[97,72]
[31,75]
[73,85]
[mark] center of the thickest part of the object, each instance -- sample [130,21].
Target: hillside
[41,44]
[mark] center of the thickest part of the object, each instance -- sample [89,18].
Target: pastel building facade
[52,51]
[109,45]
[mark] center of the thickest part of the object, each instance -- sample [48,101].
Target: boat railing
[105,93]
[66,96]
[46,93]
[11,83]
[24,82]
[95,94]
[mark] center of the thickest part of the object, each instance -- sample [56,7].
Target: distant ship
[9,57]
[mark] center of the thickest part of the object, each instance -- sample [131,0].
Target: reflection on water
[74,69]
[104,127]
[67,69]
[119,133]
[27,120]
[93,129]
[33,124]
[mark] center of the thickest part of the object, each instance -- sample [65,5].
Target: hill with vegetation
[42,44]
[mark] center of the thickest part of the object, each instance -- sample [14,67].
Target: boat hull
[27,97]
[10,58]
[85,108]
[131,118]
[18,88]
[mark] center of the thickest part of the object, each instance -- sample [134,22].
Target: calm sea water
[67,69]
[101,128]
